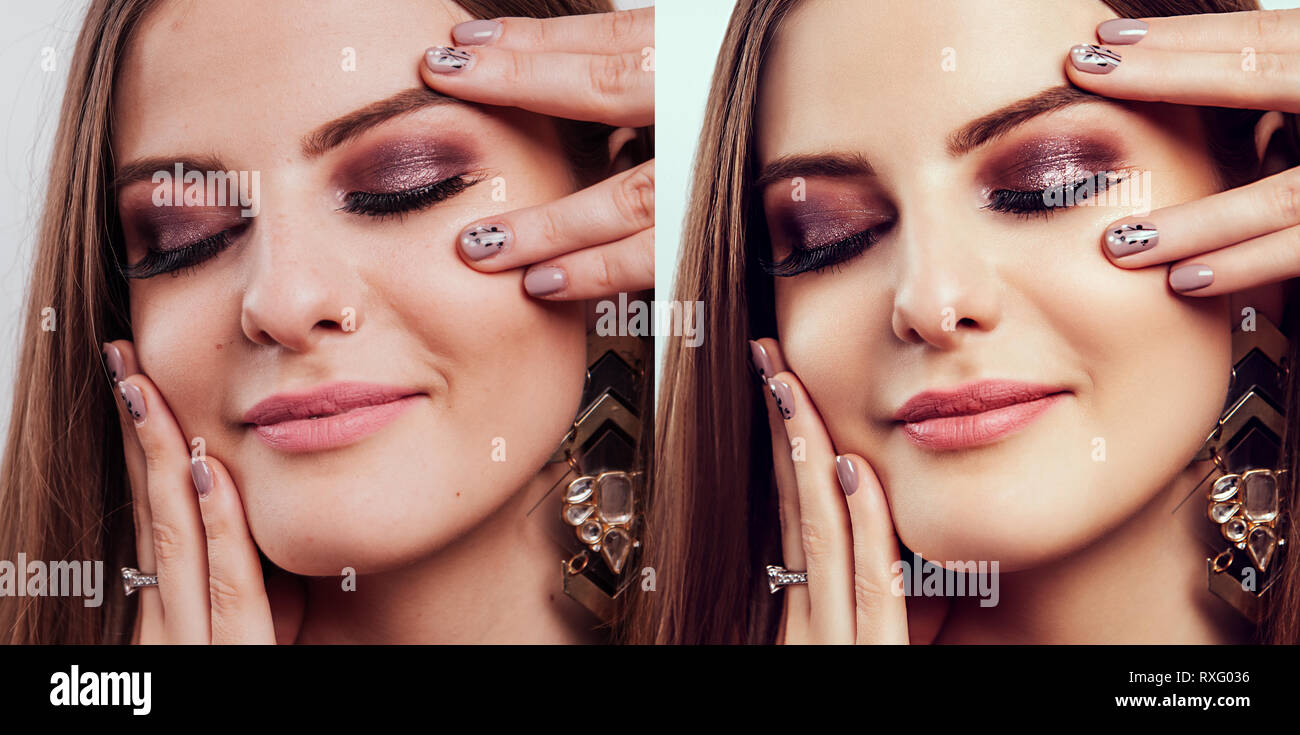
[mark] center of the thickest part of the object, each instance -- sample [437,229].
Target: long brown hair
[64,492]
[714,503]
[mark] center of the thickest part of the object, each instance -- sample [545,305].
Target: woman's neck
[499,583]
[1145,582]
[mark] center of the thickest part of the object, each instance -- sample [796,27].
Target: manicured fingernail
[476,32]
[202,475]
[784,397]
[1190,277]
[446,60]
[545,280]
[847,473]
[133,399]
[1093,59]
[1122,31]
[482,241]
[113,361]
[762,363]
[1133,238]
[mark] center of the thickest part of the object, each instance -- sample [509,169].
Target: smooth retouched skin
[434,527]
[1088,550]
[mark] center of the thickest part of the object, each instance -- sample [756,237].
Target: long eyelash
[399,203]
[1033,203]
[802,260]
[181,260]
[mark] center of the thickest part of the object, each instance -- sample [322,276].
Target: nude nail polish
[545,280]
[1190,277]
[761,362]
[1121,31]
[1137,237]
[133,399]
[1094,59]
[447,60]
[202,474]
[476,32]
[847,473]
[484,241]
[113,362]
[784,397]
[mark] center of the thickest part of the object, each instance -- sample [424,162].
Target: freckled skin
[494,363]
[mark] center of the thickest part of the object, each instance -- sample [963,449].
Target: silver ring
[133,580]
[778,577]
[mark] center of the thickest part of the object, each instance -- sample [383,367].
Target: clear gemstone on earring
[1260,496]
[615,548]
[589,532]
[615,497]
[1221,512]
[574,515]
[1224,487]
[1261,546]
[1234,529]
[579,490]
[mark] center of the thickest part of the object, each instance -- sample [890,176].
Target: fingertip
[201,473]
[444,62]
[546,281]
[847,473]
[481,243]
[133,400]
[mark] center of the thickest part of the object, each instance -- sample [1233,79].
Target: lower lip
[332,432]
[973,430]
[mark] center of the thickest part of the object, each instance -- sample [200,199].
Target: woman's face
[864,101]
[316,291]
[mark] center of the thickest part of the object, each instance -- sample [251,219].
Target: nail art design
[133,399]
[847,473]
[202,474]
[1121,31]
[759,362]
[784,398]
[1190,277]
[446,60]
[1132,238]
[113,363]
[482,241]
[1094,59]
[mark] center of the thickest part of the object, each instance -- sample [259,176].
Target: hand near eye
[191,532]
[599,68]
[1237,239]
[835,524]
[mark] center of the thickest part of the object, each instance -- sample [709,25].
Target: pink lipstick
[974,414]
[327,417]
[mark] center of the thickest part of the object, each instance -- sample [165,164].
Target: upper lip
[324,400]
[971,398]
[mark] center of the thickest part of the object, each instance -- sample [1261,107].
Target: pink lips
[327,417]
[974,414]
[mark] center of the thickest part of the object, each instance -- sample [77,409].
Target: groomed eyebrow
[999,122]
[320,140]
[963,140]
[819,164]
[357,122]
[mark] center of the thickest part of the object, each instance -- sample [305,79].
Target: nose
[298,291]
[947,289]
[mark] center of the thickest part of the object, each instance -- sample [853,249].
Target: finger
[617,89]
[1184,230]
[614,209]
[1255,81]
[626,265]
[767,359]
[237,597]
[119,357]
[1263,260]
[591,33]
[177,530]
[880,613]
[1263,30]
[823,515]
